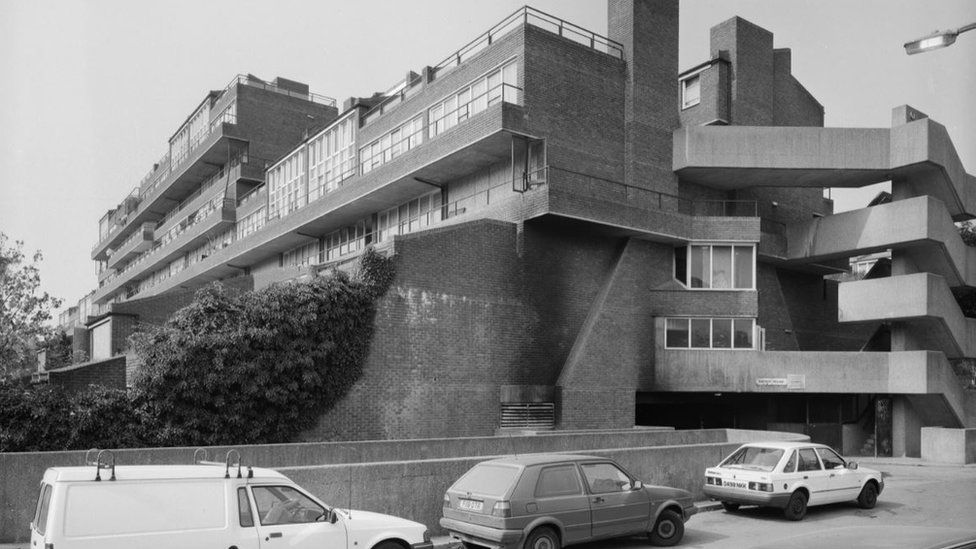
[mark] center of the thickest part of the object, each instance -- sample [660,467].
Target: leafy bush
[259,367]
[253,368]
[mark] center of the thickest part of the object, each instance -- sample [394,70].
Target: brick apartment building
[585,237]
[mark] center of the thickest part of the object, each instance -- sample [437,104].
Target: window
[331,158]
[790,466]
[287,185]
[709,333]
[244,508]
[558,481]
[411,216]
[754,458]
[604,478]
[808,460]
[487,480]
[285,505]
[43,505]
[499,84]
[391,145]
[830,459]
[718,267]
[691,91]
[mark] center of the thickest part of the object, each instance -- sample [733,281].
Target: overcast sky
[90,91]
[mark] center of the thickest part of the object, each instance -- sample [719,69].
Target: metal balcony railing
[261,84]
[536,18]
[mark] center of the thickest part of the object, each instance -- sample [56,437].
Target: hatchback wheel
[542,538]
[796,508]
[668,530]
[868,496]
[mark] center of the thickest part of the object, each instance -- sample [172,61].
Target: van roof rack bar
[88,459]
[202,459]
[99,465]
[232,453]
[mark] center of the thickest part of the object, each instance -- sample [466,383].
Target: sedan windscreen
[754,458]
[487,480]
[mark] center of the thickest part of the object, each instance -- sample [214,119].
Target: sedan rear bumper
[751,497]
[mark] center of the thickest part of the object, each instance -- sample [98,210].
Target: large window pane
[677,333]
[743,333]
[700,333]
[722,333]
[700,267]
[744,264]
[721,266]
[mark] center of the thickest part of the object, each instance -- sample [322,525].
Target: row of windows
[710,333]
[331,158]
[719,267]
[474,98]
[398,141]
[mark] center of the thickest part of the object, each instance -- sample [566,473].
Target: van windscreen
[487,479]
[107,508]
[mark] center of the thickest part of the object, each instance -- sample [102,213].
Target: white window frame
[685,85]
[754,332]
[711,261]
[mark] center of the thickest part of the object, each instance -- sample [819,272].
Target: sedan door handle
[273,535]
[598,499]
[832,475]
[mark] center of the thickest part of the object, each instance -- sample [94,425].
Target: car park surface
[790,476]
[544,501]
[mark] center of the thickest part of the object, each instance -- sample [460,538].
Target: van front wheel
[542,538]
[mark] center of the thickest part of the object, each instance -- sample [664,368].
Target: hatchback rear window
[487,480]
[754,458]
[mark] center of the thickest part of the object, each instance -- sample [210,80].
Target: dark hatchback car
[545,501]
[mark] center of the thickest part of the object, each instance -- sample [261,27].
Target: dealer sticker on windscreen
[735,483]
[470,504]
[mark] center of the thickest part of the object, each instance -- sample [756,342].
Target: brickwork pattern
[106,373]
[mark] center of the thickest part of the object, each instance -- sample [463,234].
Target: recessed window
[691,91]
[709,333]
[716,267]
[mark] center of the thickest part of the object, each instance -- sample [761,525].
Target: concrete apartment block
[584,236]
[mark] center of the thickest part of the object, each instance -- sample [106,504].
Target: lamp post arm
[965,28]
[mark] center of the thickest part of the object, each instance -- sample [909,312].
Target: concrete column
[906,428]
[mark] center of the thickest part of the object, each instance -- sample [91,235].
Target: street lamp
[936,40]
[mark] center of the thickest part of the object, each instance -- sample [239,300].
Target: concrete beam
[921,298]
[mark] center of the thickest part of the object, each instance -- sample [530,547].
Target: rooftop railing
[261,84]
[531,16]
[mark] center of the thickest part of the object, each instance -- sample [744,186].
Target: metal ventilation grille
[537,415]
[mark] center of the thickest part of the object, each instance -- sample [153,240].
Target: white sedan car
[790,476]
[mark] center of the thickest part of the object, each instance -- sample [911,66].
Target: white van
[212,506]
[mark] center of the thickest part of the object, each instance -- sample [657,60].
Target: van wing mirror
[638,485]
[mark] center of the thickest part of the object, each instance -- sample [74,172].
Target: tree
[23,309]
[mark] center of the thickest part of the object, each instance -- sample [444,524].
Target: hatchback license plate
[470,505]
[735,484]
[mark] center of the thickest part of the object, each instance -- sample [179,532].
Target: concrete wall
[949,445]
[402,477]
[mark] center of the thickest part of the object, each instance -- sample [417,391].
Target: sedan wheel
[668,530]
[868,497]
[796,508]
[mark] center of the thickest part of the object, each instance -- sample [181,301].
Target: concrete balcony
[923,301]
[483,141]
[140,241]
[626,210]
[918,152]
[213,150]
[921,227]
[926,376]
[191,237]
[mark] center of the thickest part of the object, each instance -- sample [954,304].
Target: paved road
[914,496]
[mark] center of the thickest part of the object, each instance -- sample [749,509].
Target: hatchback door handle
[273,535]
[832,475]
[598,499]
